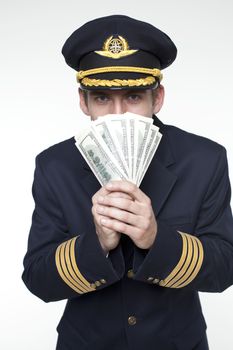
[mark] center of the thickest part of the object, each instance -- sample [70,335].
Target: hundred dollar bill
[98,157]
[144,126]
[150,156]
[101,128]
[117,125]
[151,140]
[132,138]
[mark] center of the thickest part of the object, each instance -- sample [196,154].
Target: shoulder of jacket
[62,152]
[186,143]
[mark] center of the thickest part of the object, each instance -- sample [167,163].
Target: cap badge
[116,48]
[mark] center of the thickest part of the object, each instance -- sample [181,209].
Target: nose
[118,106]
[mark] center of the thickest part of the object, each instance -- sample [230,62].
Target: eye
[133,98]
[101,99]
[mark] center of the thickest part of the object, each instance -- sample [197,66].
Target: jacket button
[97,283]
[103,281]
[156,281]
[130,273]
[132,320]
[150,279]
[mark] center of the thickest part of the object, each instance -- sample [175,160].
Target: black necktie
[127,248]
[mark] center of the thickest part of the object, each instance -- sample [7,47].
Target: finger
[118,214]
[102,192]
[119,195]
[97,216]
[121,227]
[100,228]
[139,221]
[120,203]
[127,187]
[98,197]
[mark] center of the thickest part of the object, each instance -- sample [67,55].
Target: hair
[85,94]
[155,93]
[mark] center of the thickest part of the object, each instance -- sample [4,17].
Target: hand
[108,237]
[132,215]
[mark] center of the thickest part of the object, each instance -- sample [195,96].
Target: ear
[82,102]
[159,99]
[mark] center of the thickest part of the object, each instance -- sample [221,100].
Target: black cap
[118,52]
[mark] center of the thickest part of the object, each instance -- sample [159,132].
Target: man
[129,260]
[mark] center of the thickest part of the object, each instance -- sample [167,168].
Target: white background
[39,107]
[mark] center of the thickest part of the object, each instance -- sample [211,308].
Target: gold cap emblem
[116,48]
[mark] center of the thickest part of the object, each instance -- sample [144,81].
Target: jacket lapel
[159,179]
[157,184]
[89,181]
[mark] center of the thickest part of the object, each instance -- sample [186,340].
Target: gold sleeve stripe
[185,265]
[78,273]
[60,271]
[164,283]
[67,267]
[198,265]
[189,270]
[73,277]
[189,264]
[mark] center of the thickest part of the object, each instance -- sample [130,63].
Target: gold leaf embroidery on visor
[118,82]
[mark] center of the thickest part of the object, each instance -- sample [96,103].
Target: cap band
[154,71]
[118,82]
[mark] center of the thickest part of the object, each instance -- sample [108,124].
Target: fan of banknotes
[119,146]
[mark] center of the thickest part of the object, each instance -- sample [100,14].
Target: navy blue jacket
[135,298]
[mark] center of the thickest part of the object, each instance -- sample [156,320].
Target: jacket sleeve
[59,265]
[200,260]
